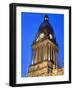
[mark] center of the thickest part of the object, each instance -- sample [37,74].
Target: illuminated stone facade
[45,53]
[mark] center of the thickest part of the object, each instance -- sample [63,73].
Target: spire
[46,18]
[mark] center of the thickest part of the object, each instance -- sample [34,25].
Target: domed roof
[46,26]
[45,31]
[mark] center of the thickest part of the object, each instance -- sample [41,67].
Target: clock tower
[44,52]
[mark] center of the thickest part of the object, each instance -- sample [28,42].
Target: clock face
[50,35]
[40,36]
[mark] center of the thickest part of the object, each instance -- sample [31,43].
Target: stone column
[36,55]
[45,52]
[56,58]
[42,53]
[48,52]
[33,56]
[53,56]
[39,53]
[51,53]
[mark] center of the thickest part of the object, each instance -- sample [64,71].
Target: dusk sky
[30,24]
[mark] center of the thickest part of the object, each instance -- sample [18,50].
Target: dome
[45,31]
[46,26]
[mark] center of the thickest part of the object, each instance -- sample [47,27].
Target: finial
[46,18]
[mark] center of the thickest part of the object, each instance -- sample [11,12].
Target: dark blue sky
[30,24]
